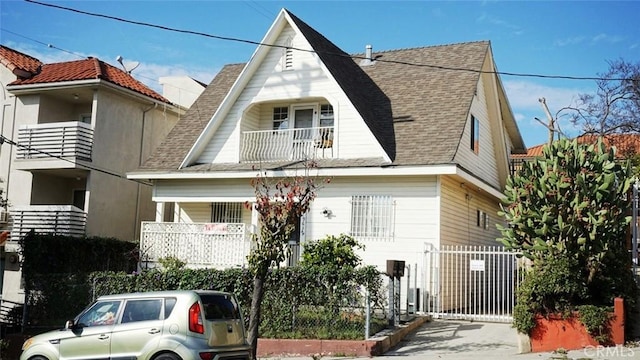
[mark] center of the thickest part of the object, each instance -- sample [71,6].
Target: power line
[198,33]
[45,44]
[4,139]
[84,57]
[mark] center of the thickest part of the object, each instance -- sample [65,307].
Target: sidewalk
[443,339]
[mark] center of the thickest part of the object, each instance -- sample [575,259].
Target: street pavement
[448,339]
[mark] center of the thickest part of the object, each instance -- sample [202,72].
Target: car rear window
[219,307]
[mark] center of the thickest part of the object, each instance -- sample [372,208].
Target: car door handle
[154,331]
[103,337]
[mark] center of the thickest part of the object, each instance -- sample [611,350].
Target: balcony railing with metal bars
[62,139]
[216,245]
[287,144]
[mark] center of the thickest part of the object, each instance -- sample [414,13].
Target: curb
[361,348]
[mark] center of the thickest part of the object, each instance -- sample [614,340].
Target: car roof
[156,294]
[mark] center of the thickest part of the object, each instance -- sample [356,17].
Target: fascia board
[446,169]
[236,89]
[482,186]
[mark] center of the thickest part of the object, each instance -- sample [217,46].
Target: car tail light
[195,319]
[207,355]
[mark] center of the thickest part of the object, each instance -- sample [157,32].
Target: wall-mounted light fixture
[76,97]
[326,212]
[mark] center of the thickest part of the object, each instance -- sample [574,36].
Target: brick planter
[553,333]
[374,346]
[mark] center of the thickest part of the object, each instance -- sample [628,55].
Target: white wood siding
[204,190]
[416,216]
[482,164]
[269,84]
[459,215]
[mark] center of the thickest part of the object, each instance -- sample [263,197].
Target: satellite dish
[128,71]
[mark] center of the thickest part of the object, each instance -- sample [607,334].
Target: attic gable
[362,93]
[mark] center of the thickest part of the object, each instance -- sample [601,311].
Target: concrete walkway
[443,339]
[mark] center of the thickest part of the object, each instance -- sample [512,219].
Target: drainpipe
[136,233]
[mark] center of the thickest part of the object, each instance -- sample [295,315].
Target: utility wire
[45,44]
[198,33]
[84,57]
[4,139]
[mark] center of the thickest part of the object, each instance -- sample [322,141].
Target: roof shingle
[417,113]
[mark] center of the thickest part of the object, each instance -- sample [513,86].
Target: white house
[70,132]
[416,141]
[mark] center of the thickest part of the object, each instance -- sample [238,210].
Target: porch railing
[63,139]
[52,219]
[287,144]
[198,244]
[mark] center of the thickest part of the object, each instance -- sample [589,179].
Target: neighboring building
[71,131]
[181,90]
[418,154]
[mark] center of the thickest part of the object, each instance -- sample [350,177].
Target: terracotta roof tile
[626,144]
[13,59]
[87,69]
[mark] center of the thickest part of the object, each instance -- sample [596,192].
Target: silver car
[164,325]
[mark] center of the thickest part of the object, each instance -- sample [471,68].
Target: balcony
[61,139]
[52,219]
[287,144]
[198,244]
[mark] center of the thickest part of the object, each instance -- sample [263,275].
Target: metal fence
[472,282]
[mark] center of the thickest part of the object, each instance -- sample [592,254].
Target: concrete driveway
[448,339]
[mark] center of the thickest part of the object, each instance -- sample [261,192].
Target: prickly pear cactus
[572,201]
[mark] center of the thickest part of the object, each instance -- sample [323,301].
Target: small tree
[567,212]
[279,204]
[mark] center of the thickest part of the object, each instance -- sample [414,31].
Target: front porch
[213,245]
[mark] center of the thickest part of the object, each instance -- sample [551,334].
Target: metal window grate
[372,216]
[226,212]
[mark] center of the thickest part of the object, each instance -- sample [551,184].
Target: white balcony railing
[197,244]
[62,139]
[51,219]
[288,144]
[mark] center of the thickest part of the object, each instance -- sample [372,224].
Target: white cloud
[569,41]
[147,73]
[602,37]
[525,95]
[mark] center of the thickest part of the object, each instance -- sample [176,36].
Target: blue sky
[567,38]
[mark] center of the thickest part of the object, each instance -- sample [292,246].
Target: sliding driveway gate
[471,282]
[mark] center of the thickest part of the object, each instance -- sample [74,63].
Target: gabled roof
[372,104]
[20,64]
[417,112]
[86,69]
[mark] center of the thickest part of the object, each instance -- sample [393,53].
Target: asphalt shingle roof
[417,113]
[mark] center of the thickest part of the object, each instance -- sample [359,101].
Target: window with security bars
[372,216]
[226,212]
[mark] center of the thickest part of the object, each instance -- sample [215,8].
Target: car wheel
[167,356]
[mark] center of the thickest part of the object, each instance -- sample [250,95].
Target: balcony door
[303,122]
